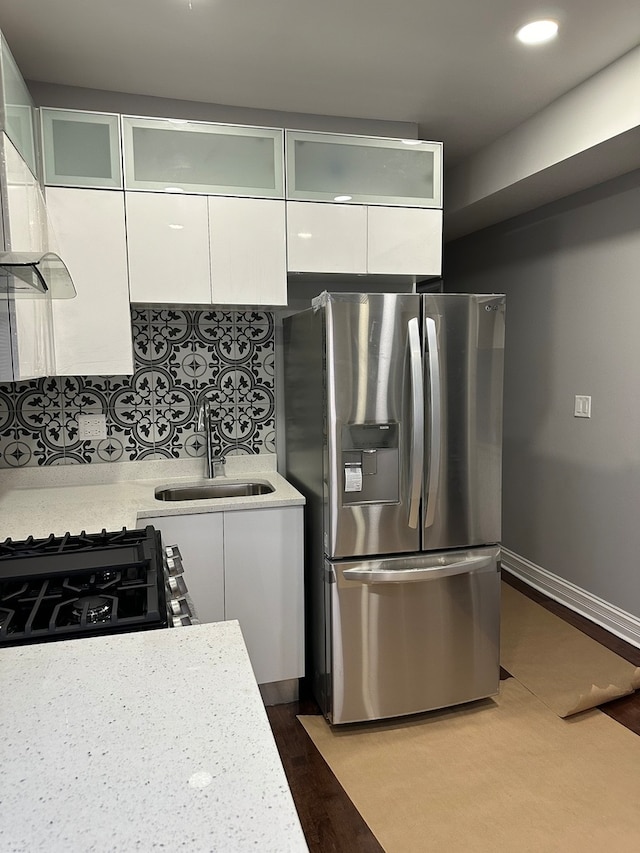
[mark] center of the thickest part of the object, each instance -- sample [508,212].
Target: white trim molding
[618,622]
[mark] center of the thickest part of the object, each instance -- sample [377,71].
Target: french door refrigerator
[393,419]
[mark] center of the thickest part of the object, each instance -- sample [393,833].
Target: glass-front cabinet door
[363,170]
[17,110]
[81,149]
[169,155]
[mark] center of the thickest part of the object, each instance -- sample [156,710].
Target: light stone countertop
[140,741]
[40,501]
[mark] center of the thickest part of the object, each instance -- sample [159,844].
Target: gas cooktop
[79,585]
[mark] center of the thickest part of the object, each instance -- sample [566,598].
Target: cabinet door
[326,237]
[193,156]
[367,170]
[17,110]
[92,332]
[404,240]
[248,251]
[200,538]
[81,149]
[264,588]
[168,248]
[29,313]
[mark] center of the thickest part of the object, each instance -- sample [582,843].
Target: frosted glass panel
[81,149]
[18,109]
[200,157]
[321,167]
[361,170]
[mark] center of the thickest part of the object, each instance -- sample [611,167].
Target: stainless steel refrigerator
[393,418]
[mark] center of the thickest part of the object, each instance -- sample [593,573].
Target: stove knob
[172,551]
[176,606]
[174,566]
[181,621]
[177,586]
[179,607]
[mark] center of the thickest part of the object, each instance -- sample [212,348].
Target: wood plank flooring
[330,821]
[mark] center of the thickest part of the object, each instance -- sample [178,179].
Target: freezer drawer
[411,634]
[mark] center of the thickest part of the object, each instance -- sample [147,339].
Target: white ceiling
[450,66]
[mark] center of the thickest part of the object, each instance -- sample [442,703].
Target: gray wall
[571,487]
[77,98]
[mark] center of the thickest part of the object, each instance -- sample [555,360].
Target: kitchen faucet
[204,425]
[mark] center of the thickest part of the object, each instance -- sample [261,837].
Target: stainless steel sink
[206,491]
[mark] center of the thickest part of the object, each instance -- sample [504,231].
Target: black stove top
[69,586]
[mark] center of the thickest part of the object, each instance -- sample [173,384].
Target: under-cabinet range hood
[32,274]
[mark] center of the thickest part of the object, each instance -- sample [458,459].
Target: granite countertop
[140,741]
[39,501]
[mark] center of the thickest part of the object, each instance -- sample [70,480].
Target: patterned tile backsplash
[181,357]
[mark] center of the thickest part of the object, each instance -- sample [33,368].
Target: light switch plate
[582,407]
[92,427]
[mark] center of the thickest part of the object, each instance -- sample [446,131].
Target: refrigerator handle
[417,421]
[409,575]
[435,431]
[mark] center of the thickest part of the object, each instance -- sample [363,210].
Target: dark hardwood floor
[330,821]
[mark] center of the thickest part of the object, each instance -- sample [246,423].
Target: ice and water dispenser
[370,463]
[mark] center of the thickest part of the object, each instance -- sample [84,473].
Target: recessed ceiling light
[343,198]
[537,32]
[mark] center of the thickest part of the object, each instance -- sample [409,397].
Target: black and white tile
[181,358]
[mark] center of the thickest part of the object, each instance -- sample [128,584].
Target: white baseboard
[617,621]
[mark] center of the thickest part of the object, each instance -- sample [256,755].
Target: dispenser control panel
[370,463]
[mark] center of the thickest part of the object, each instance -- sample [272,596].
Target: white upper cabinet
[190,249]
[363,240]
[17,110]
[168,248]
[248,251]
[328,238]
[92,333]
[363,170]
[404,241]
[28,318]
[25,217]
[202,157]
[80,148]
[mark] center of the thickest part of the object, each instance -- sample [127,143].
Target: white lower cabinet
[247,565]
[200,539]
[92,331]
[263,588]
[361,239]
